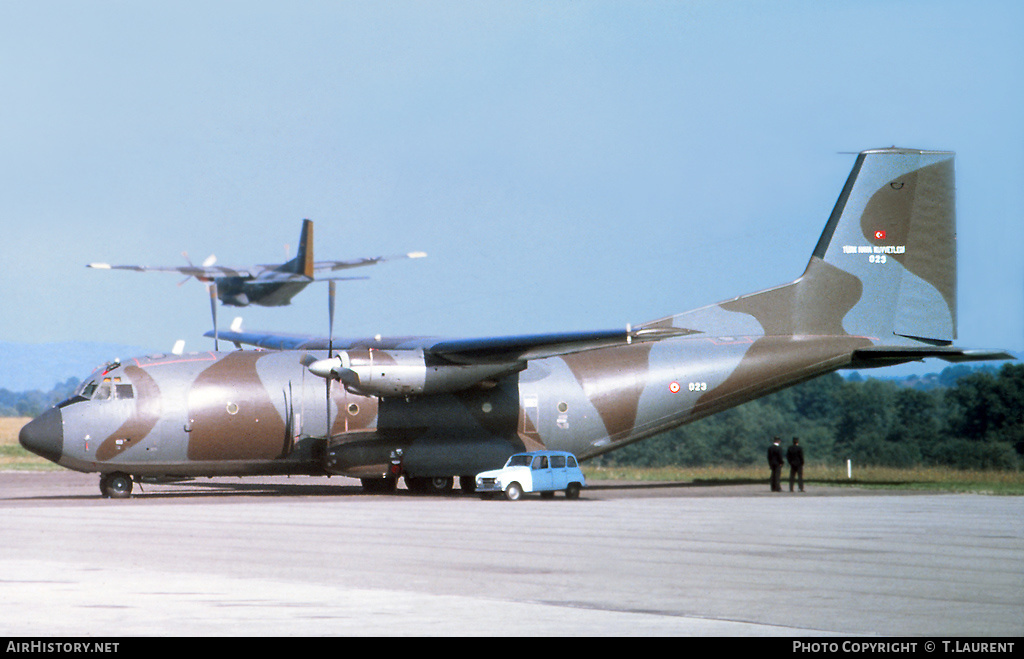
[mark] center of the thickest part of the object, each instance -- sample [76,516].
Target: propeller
[332,368]
[323,367]
[210,260]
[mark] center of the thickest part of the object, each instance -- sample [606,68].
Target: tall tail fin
[894,230]
[302,264]
[884,268]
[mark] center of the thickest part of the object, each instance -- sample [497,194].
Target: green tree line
[973,420]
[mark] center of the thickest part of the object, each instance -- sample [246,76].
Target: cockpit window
[103,391]
[106,389]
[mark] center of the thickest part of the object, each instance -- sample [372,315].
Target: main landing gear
[116,485]
[423,485]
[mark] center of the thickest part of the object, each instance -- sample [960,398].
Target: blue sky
[567,165]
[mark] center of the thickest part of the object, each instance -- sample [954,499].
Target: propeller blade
[213,312]
[189,261]
[330,353]
[328,435]
[330,308]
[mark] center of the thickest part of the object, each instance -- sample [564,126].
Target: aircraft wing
[491,350]
[331,266]
[198,271]
[207,271]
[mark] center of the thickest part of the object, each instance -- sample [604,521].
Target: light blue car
[546,472]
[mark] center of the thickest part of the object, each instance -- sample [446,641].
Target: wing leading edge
[467,351]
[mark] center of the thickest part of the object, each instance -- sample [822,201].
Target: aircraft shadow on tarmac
[213,488]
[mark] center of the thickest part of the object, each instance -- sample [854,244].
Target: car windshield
[519,461]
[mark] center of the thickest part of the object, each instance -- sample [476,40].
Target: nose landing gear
[116,485]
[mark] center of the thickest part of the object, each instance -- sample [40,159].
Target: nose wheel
[116,485]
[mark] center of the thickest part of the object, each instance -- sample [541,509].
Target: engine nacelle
[384,373]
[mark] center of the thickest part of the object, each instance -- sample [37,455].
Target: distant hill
[40,366]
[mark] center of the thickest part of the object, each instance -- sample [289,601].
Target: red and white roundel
[880,235]
[674,387]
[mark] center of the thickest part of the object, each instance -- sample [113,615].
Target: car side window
[558,462]
[572,462]
[540,462]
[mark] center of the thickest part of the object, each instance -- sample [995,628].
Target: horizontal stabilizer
[890,355]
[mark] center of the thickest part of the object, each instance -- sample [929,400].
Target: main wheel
[514,491]
[386,485]
[429,485]
[116,485]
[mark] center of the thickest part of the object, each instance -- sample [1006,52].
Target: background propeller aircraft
[879,289]
[264,285]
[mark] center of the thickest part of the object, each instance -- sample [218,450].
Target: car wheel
[573,491]
[513,492]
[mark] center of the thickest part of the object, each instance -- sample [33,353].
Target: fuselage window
[125,391]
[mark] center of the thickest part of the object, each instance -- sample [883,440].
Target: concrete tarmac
[316,557]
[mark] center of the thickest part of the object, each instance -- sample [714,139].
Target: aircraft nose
[44,435]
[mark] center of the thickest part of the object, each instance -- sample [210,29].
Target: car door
[559,473]
[541,472]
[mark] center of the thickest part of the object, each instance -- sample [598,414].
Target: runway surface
[316,557]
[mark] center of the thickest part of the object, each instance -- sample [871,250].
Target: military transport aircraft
[879,289]
[265,285]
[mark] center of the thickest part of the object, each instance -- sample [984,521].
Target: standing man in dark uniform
[795,458]
[775,463]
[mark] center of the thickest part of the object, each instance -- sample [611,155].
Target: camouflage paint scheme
[264,285]
[879,289]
